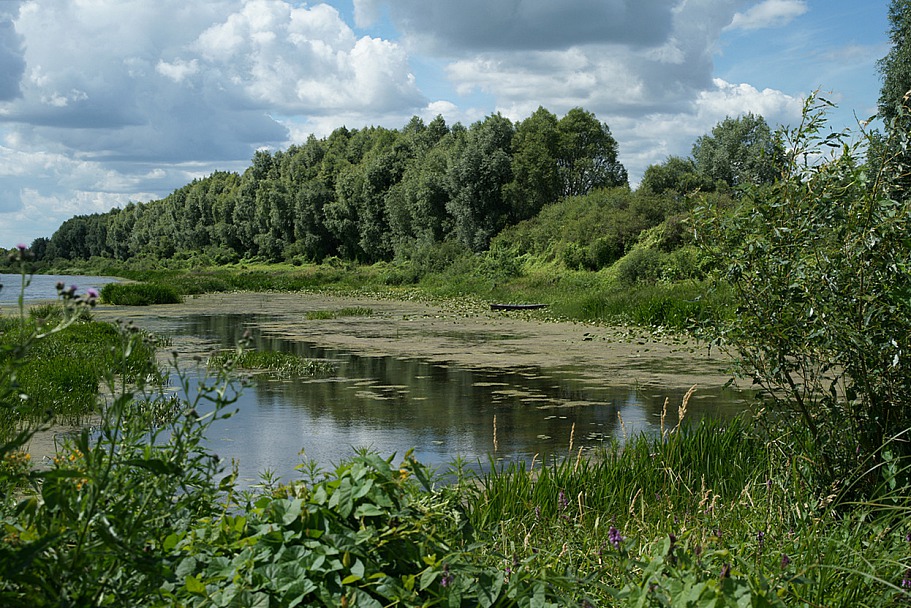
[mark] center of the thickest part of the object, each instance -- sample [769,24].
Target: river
[413,377]
[44,286]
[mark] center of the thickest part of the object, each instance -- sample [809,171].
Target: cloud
[607,79]
[655,137]
[482,25]
[769,13]
[174,81]
[12,64]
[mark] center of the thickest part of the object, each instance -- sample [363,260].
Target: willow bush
[820,267]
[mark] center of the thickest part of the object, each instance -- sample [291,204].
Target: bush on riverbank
[139,294]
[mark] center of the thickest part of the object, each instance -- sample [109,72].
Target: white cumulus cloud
[769,13]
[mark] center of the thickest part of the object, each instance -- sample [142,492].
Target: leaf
[170,542]
[186,567]
[155,465]
[195,586]
[368,510]
[488,588]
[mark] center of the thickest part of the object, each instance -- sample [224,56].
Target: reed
[273,362]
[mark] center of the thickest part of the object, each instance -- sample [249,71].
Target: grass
[139,294]
[494,277]
[352,311]
[63,372]
[664,517]
[277,363]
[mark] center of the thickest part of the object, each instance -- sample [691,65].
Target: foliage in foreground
[819,266]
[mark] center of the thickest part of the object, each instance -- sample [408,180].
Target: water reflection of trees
[535,409]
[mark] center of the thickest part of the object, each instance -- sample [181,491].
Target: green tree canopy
[739,151]
[676,174]
[895,67]
[587,154]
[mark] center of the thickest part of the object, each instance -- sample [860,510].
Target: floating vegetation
[159,411]
[351,311]
[280,364]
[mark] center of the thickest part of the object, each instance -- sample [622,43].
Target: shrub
[139,294]
[819,267]
[641,265]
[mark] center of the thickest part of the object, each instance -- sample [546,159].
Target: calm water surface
[44,286]
[442,411]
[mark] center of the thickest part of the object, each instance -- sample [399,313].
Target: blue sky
[103,102]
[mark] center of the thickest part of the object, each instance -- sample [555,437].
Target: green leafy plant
[818,264]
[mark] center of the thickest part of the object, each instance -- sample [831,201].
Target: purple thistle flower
[446,579]
[21,247]
[614,537]
[92,293]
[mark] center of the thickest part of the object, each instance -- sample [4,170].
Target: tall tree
[893,150]
[739,151]
[536,178]
[587,157]
[479,171]
[896,65]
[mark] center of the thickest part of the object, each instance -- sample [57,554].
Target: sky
[103,102]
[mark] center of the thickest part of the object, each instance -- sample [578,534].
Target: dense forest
[377,194]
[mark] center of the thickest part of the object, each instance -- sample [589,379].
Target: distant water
[44,286]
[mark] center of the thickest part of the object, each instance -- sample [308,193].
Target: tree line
[376,194]
[363,194]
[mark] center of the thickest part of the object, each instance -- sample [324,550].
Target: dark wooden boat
[517,306]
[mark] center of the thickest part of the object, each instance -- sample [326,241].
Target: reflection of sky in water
[44,286]
[441,411]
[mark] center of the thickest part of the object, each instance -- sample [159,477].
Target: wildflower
[906,581]
[447,578]
[561,501]
[92,293]
[908,537]
[785,560]
[614,537]
[760,538]
[725,571]
[537,512]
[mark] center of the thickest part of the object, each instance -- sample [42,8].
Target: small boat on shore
[517,306]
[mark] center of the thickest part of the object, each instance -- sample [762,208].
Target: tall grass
[139,294]
[713,511]
[62,375]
